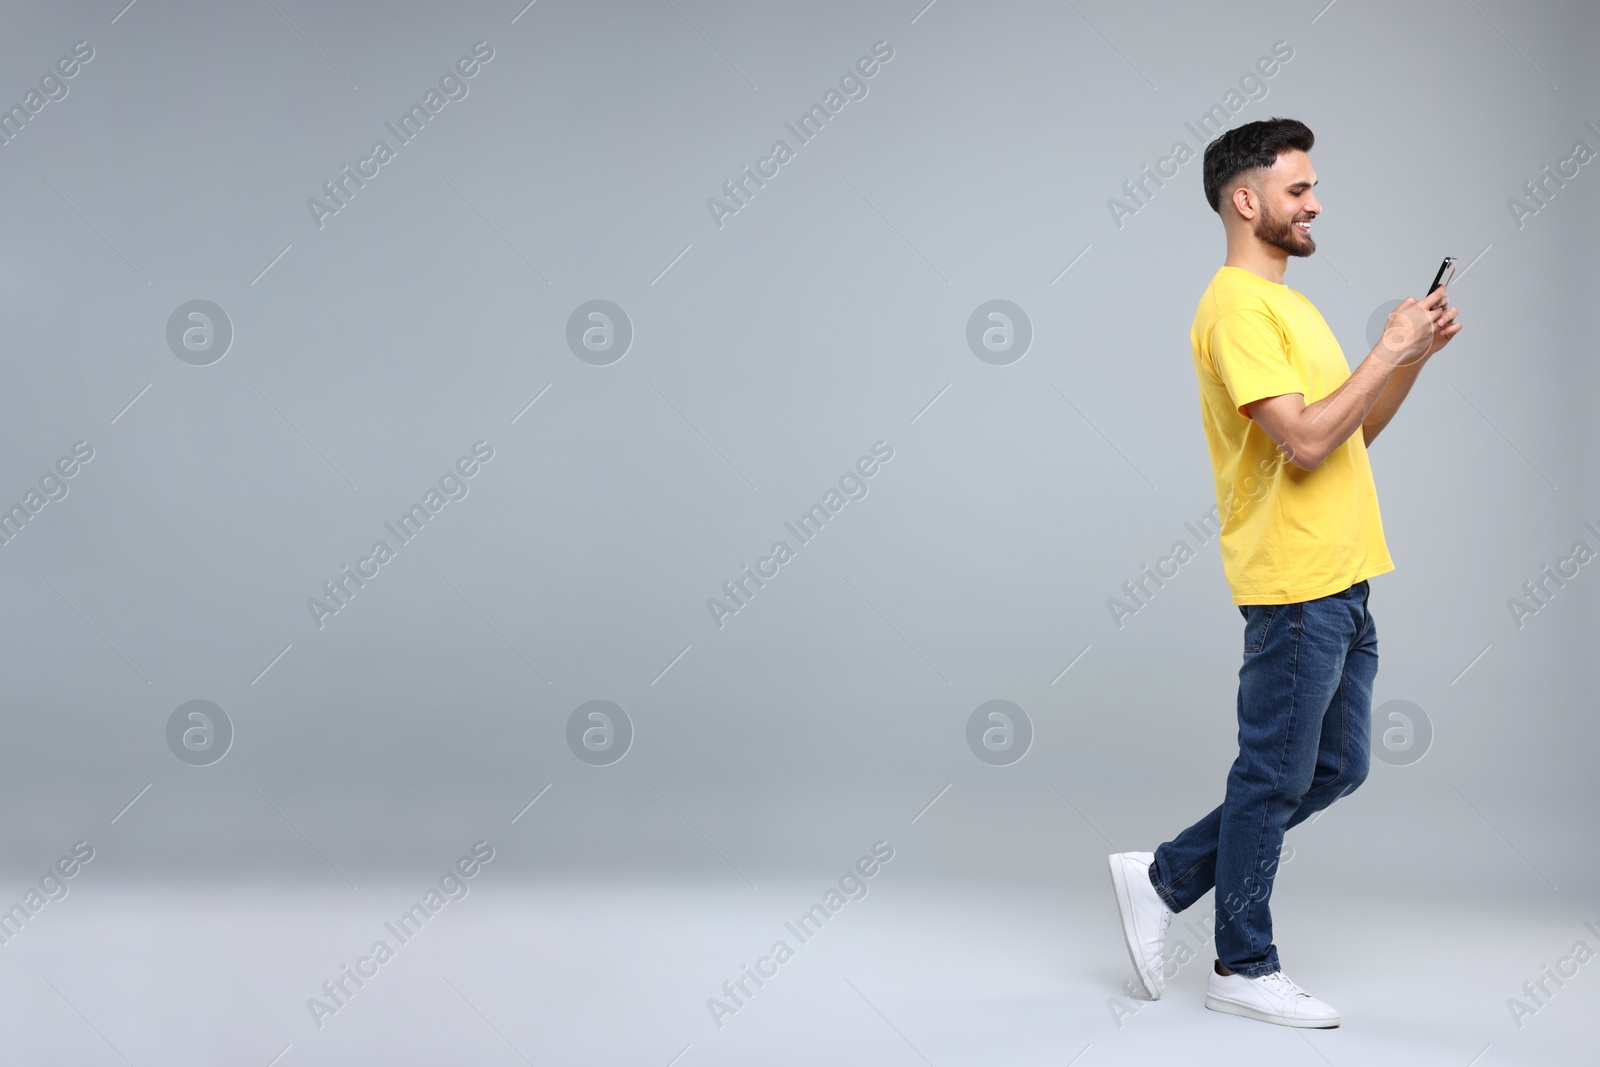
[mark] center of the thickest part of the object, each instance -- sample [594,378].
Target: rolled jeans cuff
[1162,891]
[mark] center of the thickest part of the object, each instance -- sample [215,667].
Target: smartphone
[1447,270]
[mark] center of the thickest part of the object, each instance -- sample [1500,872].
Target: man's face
[1287,204]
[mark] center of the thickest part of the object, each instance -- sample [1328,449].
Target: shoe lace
[1283,985]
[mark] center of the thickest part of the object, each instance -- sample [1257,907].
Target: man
[1301,535]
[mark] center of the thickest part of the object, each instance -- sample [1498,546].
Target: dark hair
[1249,147]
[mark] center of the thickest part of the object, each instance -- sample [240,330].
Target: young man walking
[1287,426]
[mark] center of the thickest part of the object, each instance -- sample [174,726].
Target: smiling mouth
[1303,226]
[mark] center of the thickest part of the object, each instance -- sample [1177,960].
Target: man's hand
[1445,327]
[1442,327]
[1417,329]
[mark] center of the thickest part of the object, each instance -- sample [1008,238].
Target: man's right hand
[1408,334]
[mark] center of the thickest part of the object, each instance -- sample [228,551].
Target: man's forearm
[1329,422]
[1389,401]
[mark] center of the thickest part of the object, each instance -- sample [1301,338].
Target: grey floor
[620,973]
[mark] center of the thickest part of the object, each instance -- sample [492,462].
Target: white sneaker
[1144,916]
[1272,998]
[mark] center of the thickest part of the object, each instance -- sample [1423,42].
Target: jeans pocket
[1257,621]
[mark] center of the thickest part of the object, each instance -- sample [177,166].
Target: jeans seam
[1166,896]
[1248,908]
[1344,718]
[1266,626]
[1344,688]
[1178,881]
[1338,708]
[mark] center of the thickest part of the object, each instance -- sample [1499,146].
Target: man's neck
[1262,260]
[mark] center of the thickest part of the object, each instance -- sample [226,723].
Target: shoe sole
[1233,1007]
[1130,933]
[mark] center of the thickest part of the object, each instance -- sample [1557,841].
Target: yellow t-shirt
[1287,534]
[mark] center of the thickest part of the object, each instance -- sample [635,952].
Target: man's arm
[1389,401]
[1394,393]
[1308,434]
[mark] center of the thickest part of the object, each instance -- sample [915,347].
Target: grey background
[768,355]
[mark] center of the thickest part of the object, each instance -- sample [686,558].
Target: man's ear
[1245,200]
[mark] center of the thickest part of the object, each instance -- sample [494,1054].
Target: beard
[1279,232]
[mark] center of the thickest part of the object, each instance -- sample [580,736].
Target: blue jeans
[1305,723]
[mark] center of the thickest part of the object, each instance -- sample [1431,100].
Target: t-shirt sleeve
[1252,358]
